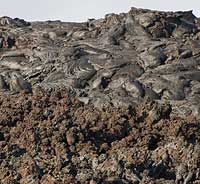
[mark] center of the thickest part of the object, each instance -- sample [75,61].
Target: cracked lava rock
[113,100]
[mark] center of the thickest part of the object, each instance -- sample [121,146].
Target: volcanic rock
[112,100]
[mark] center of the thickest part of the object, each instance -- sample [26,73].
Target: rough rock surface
[50,137]
[114,100]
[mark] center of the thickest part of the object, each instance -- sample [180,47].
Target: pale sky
[81,10]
